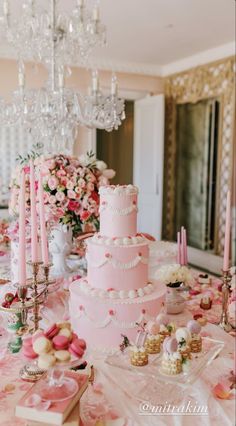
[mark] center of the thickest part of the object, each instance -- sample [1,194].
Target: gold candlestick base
[224,321]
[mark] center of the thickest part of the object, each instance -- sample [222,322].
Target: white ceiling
[150,34]
[162,31]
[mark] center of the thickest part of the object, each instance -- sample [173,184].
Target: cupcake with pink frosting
[153,340]
[171,363]
[166,327]
[196,341]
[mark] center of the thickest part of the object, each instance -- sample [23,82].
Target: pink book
[57,413]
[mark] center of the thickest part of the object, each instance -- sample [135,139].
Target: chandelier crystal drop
[53,113]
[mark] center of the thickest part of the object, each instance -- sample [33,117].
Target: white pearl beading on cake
[117,211]
[125,241]
[116,263]
[118,189]
[110,319]
[115,294]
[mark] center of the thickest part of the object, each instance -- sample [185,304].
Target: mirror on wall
[197,130]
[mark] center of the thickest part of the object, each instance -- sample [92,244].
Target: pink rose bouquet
[70,189]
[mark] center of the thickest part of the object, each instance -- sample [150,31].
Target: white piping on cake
[110,319]
[116,294]
[117,211]
[116,263]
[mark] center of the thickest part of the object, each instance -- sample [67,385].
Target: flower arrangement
[70,189]
[174,274]
[4,235]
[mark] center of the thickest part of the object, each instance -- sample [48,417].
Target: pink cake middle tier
[117,267]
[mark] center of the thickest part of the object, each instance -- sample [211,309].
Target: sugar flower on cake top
[118,190]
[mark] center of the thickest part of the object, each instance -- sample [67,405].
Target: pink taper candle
[43,231]
[182,247]
[34,227]
[179,248]
[185,247]
[227,232]
[22,230]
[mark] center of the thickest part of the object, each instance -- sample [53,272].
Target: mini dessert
[166,327]
[139,355]
[183,337]
[56,345]
[153,341]
[76,349]
[171,360]
[51,331]
[196,340]
[65,332]
[204,279]
[60,342]
[206,303]
[46,361]
[42,345]
[62,356]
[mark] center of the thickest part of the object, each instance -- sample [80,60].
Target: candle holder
[224,321]
[46,268]
[35,295]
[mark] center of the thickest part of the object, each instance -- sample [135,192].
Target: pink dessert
[27,341]
[82,343]
[76,349]
[60,342]
[28,352]
[51,331]
[116,294]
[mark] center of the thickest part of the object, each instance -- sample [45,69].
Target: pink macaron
[76,349]
[194,327]
[60,342]
[28,352]
[51,331]
[82,343]
[27,341]
[170,345]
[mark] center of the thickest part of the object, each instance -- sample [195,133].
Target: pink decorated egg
[194,327]
[153,327]
[170,345]
[162,319]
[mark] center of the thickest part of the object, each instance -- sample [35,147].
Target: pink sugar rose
[71,194]
[60,196]
[69,185]
[52,199]
[52,183]
[73,205]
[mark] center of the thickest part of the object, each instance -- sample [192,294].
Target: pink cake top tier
[118,210]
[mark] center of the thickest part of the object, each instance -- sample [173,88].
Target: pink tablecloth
[221,412]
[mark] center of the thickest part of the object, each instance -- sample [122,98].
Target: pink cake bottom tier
[102,322]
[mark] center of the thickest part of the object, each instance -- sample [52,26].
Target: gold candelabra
[224,321]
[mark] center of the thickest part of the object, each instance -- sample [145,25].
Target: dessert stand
[155,386]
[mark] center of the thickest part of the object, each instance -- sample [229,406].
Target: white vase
[60,245]
[174,301]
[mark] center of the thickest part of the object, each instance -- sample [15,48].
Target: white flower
[174,273]
[101,165]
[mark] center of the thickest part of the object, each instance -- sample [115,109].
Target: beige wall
[80,78]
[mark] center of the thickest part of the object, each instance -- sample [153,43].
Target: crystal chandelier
[52,114]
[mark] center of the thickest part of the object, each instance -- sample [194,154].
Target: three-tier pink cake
[116,294]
